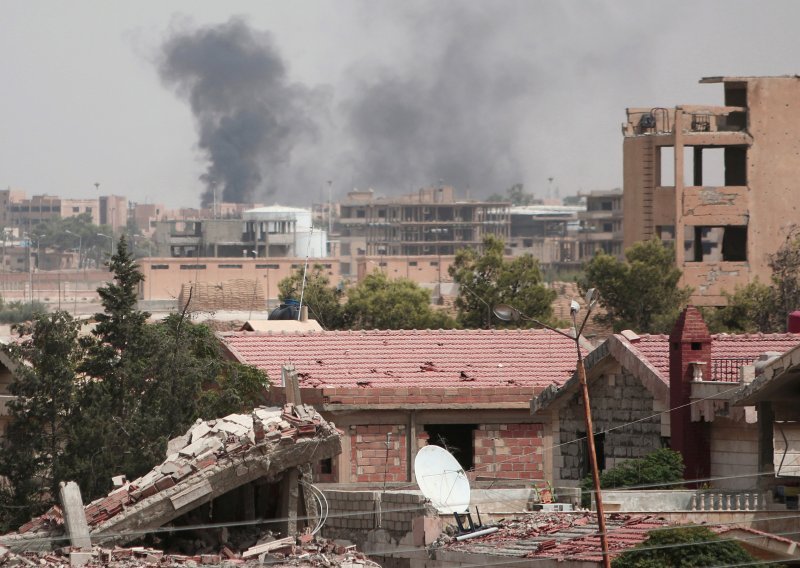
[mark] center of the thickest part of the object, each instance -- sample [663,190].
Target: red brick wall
[368,453]
[509,450]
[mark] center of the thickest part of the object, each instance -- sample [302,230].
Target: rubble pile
[305,551]
[211,459]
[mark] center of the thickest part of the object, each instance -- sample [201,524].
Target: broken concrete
[219,456]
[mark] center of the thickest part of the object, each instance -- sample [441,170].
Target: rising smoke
[470,99]
[249,116]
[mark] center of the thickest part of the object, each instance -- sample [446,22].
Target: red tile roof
[411,358]
[655,348]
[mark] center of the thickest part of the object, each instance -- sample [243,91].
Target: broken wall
[509,450]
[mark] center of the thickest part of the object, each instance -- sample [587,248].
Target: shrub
[684,547]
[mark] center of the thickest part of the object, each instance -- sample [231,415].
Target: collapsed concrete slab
[212,459]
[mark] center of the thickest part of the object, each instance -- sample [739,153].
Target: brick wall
[509,450]
[369,459]
[616,399]
[405,395]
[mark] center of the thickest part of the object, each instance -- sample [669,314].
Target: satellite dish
[442,480]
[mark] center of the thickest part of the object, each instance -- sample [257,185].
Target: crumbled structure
[718,182]
[558,539]
[212,459]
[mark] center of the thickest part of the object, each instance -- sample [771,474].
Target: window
[412,263]
[714,244]
[708,166]
[193,266]
[296,266]
[267,266]
[457,439]
[229,266]
[434,263]
[76,209]
[159,267]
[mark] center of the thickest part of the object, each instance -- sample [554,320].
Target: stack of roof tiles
[202,446]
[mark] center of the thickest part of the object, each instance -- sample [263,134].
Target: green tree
[515,194]
[32,457]
[661,466]
[684,547]
[785,265]
[324,301]
[380,303]
[751,308]
[640,293]
[486,279]
[18,312]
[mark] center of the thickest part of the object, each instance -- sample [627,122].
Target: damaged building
[393,392]
[226,473]
[718,182]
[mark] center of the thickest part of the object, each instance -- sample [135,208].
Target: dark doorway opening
[456,439]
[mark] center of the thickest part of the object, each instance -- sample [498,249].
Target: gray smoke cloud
[475,95]
[250,116]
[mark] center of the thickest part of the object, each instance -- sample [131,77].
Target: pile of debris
[212,458]
[305,551]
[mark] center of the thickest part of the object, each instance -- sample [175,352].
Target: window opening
[456,439]
[714,244]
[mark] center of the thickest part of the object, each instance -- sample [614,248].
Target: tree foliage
[380,303]
[515,194]
[324,301]
[486,279]
[762,307]
[33,459]
[661,466]
[640,293]
[94,407]
[18,312]
[684,547]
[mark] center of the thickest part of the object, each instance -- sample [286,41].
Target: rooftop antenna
[444,483]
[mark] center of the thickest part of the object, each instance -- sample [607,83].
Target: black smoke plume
[249,116]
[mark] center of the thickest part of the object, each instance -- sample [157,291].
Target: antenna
[305,270]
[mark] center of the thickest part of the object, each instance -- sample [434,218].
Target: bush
[17,312]
[663,466]
[685,547]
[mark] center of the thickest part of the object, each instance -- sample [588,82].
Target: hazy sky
[167,101]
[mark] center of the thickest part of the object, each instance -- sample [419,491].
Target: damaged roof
[574,537]
[411,358]
[211,459]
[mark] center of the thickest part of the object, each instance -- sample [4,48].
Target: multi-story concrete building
[719,181]
[265,232]
[601,224]
[429,222]
[548,232]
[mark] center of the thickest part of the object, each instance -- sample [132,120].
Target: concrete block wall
[509,450]
[398,511]
[734,453]
[616,399]
[351,511]
[371,460]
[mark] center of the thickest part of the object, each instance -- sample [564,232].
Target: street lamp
[509,313]
[77,272]
[30,267]
[110,239]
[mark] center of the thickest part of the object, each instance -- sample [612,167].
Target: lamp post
[111,239]
[30,267]
[509,313]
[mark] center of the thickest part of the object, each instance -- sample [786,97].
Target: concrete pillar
[74,517]
[309,500]
[289,498]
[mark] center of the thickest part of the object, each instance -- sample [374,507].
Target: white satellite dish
[442,480]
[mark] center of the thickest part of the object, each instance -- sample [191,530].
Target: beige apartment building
[720,182]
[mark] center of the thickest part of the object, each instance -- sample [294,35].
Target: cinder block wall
[616,399]
[509,450]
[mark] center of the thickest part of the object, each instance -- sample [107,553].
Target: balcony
[694,119]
